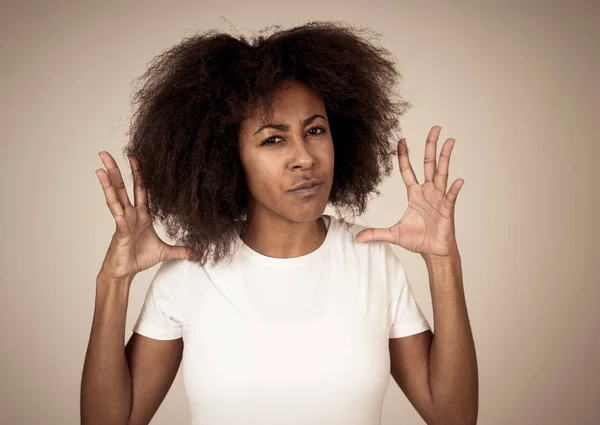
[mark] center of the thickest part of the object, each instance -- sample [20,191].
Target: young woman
[281,314]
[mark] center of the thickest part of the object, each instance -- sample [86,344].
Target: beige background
[516,83]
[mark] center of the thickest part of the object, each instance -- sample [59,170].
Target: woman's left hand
[427,226]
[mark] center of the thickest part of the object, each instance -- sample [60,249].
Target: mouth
[307,189]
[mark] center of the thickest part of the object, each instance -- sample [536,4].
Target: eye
[271,140]
[318,128]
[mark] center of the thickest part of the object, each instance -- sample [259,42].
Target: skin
[283,226]
[438,373]
[280,224]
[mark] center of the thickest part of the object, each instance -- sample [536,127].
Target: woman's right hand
[135,246]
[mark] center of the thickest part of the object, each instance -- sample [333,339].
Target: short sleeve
[160,317]
[405,316]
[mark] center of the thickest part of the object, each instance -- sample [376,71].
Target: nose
[301,157]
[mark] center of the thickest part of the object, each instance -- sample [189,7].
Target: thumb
[177,252]
[375,234]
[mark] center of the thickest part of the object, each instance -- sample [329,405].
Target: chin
[306,209]
[308,212]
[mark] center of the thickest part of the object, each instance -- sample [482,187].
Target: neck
[278,237]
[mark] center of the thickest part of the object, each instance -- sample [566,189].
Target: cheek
[329,156]
[263,177]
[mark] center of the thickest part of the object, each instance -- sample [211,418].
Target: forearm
[106,381]
[453,371]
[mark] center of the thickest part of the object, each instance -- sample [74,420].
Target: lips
[306,190]
[306,185]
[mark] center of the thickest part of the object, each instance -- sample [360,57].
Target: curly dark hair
[194,96]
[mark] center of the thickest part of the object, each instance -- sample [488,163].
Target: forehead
[292,100]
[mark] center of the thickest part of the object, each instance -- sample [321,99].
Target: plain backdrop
[514,82]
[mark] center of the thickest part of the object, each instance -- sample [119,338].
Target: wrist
[107,279]
[452,256]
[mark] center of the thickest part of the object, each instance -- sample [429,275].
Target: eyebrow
[285,127]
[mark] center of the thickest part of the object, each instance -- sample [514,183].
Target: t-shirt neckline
[257,258]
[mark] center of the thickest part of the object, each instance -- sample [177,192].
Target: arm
[153,364]
[106,382]
[438,372]
[123,386]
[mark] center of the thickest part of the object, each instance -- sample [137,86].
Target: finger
[406,171]
[368,235]
[114,205]
[115,176]
[122,225]
[450,198]
[431,152]
[441,174]
[140,195]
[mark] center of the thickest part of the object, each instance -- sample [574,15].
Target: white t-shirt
[275,341]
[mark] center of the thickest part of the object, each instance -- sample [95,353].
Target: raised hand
[135,246]
[427,226]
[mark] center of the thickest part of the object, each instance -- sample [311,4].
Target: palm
[140,248]
[147,248]
[427,226]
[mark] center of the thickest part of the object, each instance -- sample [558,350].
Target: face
[293,148]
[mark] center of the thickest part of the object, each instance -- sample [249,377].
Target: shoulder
[370,252]
[172,269]
[375,254]
[171,276]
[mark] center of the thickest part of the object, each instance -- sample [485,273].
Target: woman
[288,315]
